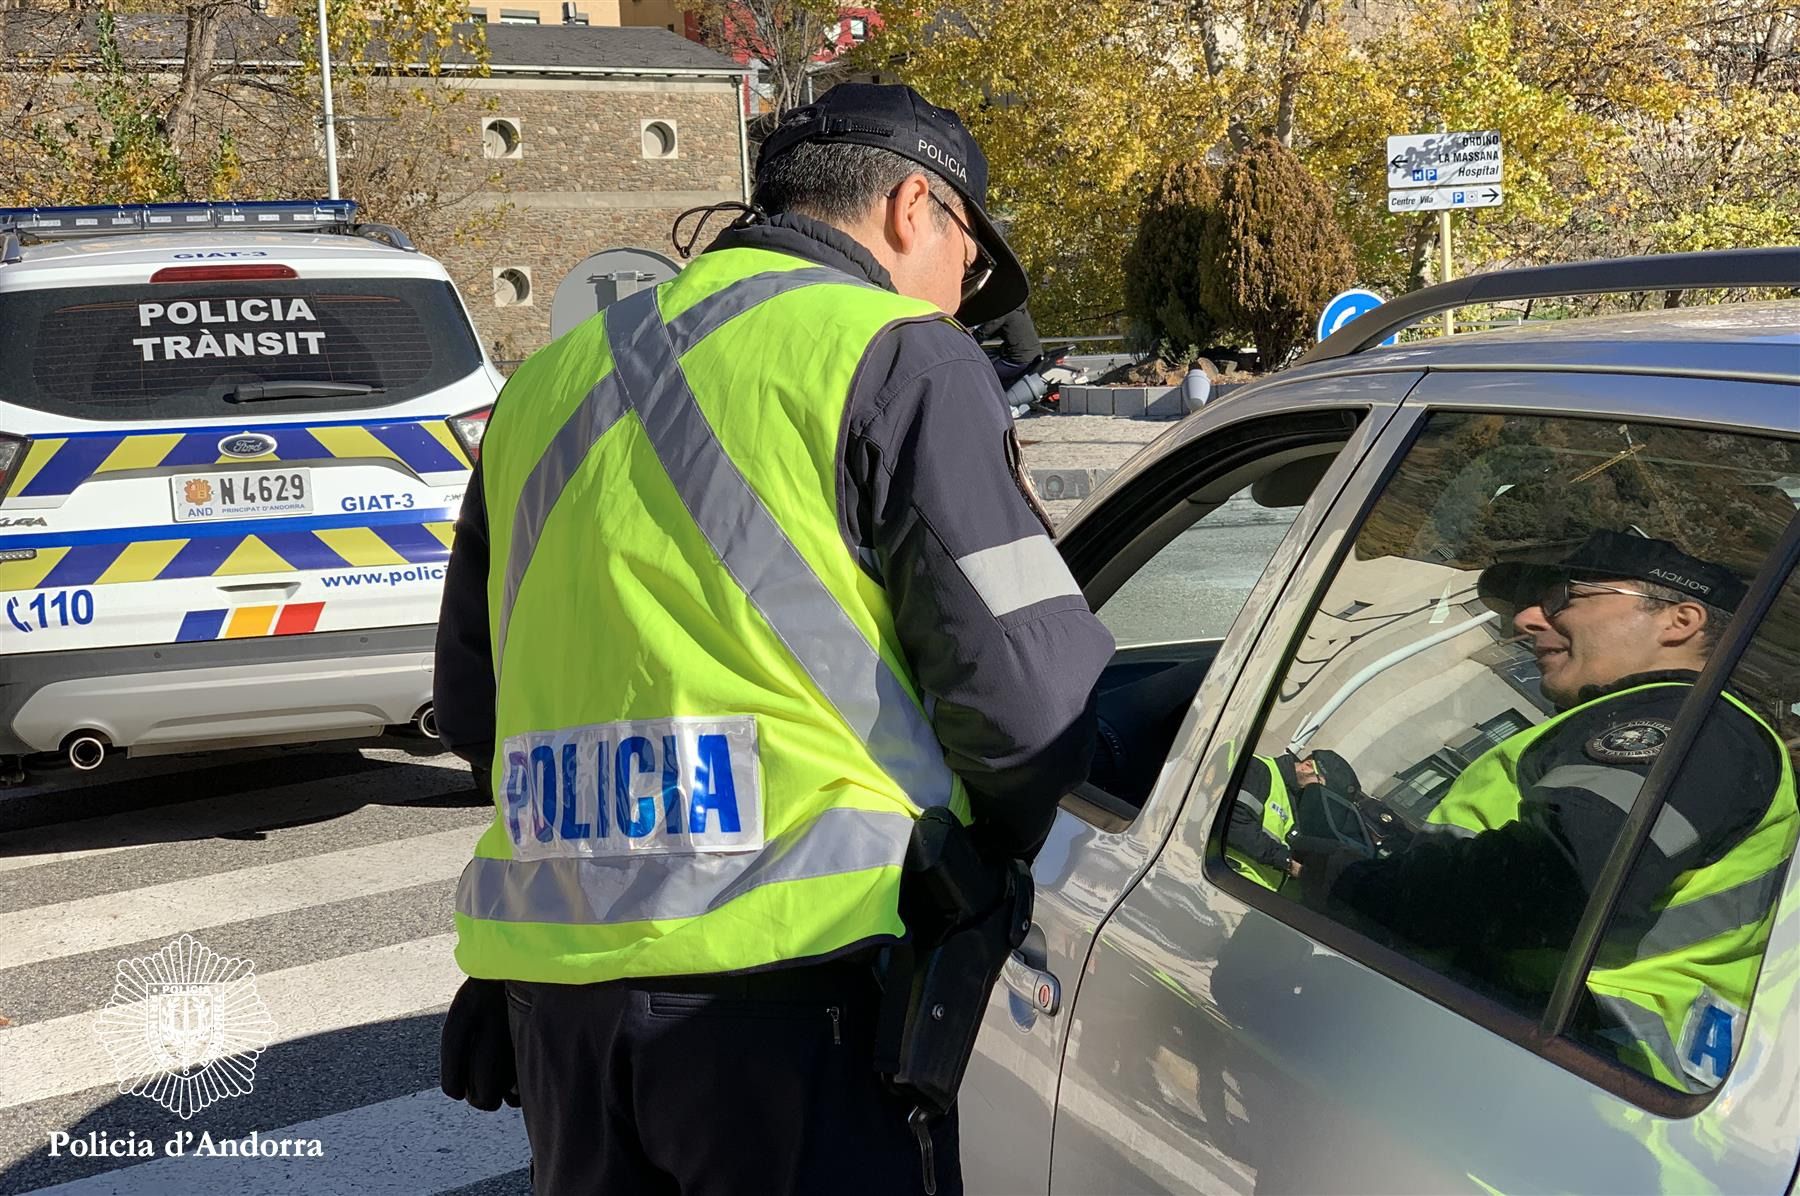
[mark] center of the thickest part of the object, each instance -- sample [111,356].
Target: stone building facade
[599,138]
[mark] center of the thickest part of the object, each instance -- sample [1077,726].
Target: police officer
[748,578]
[1508,859]
[1267,809]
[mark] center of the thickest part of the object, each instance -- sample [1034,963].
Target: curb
[1154,402]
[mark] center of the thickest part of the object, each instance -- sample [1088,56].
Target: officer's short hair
[837,181]
[1716,617]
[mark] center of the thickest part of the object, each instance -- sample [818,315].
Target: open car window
[1177,579]
[1468,720]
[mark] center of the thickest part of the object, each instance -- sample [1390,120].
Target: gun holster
[964,917]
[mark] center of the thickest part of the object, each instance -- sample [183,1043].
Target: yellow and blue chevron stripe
[291,545]
[57,465]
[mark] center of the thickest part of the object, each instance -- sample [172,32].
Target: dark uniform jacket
[928,474]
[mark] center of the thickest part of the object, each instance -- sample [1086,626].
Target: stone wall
[581,182]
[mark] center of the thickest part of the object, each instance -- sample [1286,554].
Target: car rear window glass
[177,350]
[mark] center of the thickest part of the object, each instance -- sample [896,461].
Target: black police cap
[897,118]
[1612,556]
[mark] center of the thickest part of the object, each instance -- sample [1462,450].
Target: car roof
[1759,341]
[133,257]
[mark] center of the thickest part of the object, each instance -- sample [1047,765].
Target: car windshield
[183,350]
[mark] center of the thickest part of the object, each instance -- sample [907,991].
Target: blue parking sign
[1346,306]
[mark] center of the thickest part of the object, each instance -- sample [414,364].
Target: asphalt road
[330,871]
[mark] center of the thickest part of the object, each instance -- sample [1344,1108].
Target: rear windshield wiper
[262,392]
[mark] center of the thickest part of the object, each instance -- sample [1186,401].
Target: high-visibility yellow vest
[1277,823]
[709,750]
[1680,992]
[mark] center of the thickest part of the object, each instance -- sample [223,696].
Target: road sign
[1441,199]
[1346,306]
[1440,159]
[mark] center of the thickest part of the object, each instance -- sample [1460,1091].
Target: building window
[572,15]
[515,16]
[512,286]
[659,139]
[475,16]
[500,138]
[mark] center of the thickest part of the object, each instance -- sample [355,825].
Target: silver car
[1299,567]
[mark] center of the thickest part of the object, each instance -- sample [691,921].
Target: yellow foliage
[1629,127]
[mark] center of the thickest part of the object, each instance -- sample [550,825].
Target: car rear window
[176,350]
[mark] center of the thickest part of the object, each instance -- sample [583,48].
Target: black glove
[475,1057]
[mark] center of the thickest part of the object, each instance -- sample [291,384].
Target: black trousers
[715,1086]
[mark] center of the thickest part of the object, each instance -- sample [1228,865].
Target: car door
[1182,553]
[1230,1036]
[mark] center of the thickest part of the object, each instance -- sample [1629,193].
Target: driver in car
[1503,868]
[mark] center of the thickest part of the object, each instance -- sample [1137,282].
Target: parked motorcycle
[1035,386]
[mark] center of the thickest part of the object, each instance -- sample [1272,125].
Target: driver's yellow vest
[1277,823]
[709,751]
[1681,991]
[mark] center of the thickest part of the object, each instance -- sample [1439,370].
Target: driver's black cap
[1612,556]
[897,118]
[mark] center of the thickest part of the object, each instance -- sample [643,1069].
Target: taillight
[468,429]
[221,273]
[12,457]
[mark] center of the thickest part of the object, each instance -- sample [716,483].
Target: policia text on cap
[746,588]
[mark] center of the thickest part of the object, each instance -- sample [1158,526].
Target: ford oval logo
[247,444]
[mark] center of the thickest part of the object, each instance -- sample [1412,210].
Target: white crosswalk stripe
[96,923]
[344,886]
[63,1055]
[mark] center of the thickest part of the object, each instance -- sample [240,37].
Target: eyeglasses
[1558,595]
[977,272]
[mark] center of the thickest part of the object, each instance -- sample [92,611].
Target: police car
[233,440]
[1300,567]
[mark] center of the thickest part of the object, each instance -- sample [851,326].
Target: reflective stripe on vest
[573,912]
[1668,982]
[1277,823]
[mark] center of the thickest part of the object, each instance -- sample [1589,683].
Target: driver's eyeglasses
[977,272]
[1557,597]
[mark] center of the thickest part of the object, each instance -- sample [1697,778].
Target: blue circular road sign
[1346,306]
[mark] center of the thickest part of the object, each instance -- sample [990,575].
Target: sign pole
[331,173]
[1444,270]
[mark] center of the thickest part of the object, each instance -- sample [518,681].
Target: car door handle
[1034,986]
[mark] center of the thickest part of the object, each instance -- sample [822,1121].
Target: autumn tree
[1272,255]
[1076,113]
[409,133]
[1630,127]
[787,37]
[1164,309]
[94,114]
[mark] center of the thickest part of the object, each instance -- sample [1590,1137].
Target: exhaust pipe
[87,751]
[425,722]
